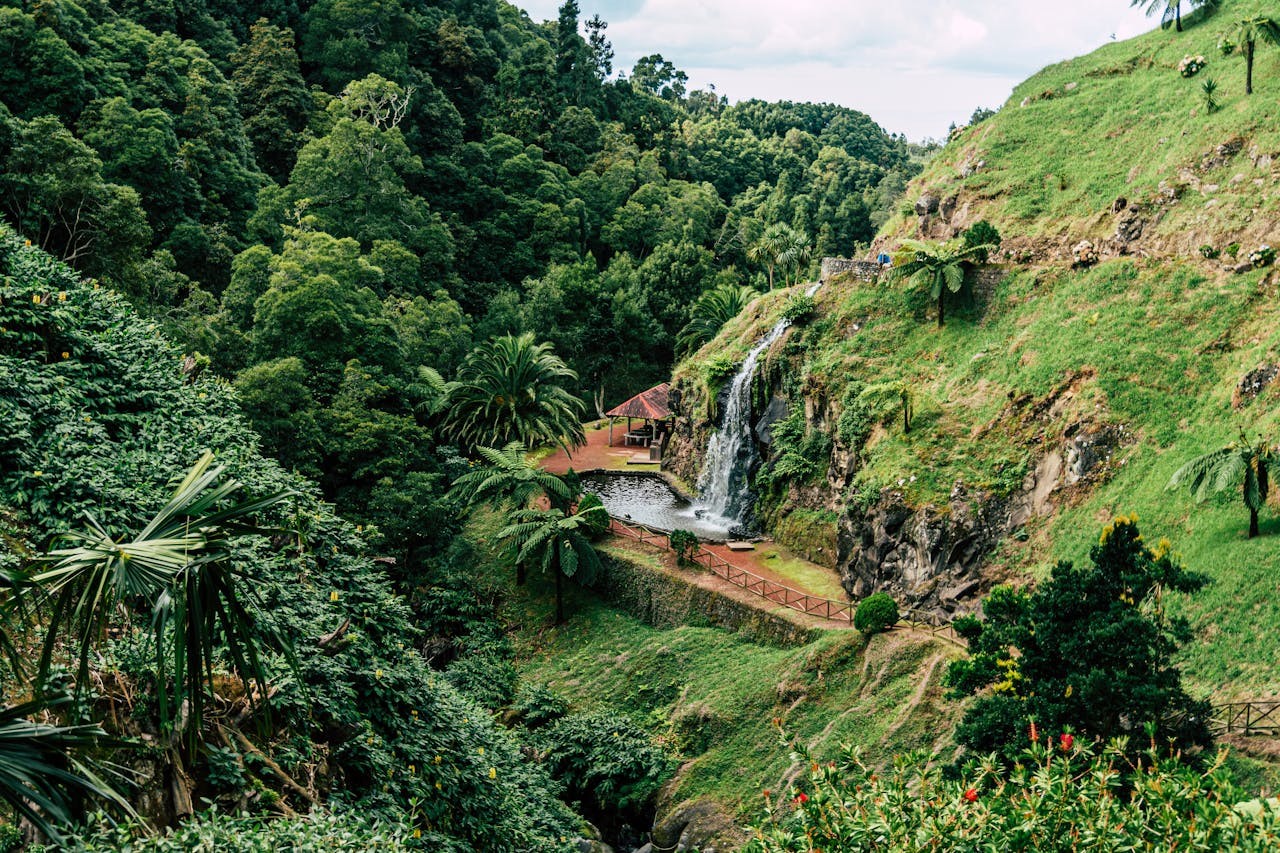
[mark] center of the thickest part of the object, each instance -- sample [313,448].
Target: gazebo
[649,406]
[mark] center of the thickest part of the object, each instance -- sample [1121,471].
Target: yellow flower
[493,773]
[66,354]
[414,713]
[439,758]
[37,473]
[417,833]
[62,296]
[35,298]
[437,786]
[333,596]
[377,673]
[481,750]
[413,768]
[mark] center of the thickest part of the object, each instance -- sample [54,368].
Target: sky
[915,66]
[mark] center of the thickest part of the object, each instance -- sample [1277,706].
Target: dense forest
[333,210]
[317,200]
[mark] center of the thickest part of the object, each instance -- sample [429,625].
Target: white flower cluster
[1263,256]
[1190,66]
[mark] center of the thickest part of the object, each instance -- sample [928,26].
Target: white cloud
[913,65]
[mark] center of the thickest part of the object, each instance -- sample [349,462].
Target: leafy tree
[709,314]
[1248,33]
[1241,462]
[938,266]
[513,389]
[180,574]
[876,613]
[1089,651]
[558,540]
[272,95]
[656,76]
[781,247]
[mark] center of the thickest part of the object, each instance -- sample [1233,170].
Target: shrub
[799,309]
[684,544]
[1231,250]
[1209,252]
[981,233]
[606,761]
[539,705]
[484,677]
[599,526]
[876,613]
[1063,794]
[1263,256]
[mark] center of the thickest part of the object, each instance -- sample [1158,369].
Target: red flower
[802,798]
[971,795]
[1035,736]
[1066,740]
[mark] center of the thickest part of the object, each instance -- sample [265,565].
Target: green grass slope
[1121,122]
[1148,347]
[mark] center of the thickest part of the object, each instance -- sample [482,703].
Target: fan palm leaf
[178,571]
[41,773]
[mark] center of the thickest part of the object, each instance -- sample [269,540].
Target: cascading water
[725,483]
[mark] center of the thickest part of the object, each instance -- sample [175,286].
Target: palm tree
[42,776]
[712,310]
[559,541]
[513,389]
[1219,470]
[1171,9]
[1248,33]
[511,480]
[178,573]
[938,266]
[781,246]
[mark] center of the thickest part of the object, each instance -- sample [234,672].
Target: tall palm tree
[937,266]
[709,314]
[511,388]
[781,246]
[558,540]
[178,573]
[1220,470]
[1249,33]
[1171,9]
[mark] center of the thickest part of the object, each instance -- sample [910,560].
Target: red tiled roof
[647,404]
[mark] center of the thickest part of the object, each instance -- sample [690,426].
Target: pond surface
[650,501]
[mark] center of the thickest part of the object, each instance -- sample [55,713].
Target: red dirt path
[598,454]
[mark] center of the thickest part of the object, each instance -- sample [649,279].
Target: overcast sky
[914,65]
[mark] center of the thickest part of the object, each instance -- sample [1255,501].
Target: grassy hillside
[1122,123]
[1148,350]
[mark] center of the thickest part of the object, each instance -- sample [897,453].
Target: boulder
[926,204]
[1254,383]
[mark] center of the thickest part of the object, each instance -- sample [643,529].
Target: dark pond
[650,501]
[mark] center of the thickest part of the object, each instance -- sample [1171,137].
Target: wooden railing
[772,591]
[1246,718]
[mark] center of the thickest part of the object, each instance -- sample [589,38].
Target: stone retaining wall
[868,271]
[666,600]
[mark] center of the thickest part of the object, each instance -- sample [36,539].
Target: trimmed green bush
[684,544]
[876,613]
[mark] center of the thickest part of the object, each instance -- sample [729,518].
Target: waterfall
[725,483]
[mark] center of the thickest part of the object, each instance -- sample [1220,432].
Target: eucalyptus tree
[512,388]
[940,267]
[1241,463]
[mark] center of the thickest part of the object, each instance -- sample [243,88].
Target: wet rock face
[928,559]
[1254,383]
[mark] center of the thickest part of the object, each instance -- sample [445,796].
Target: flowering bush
[1263,256]
[1209,252]
[1062,795]
[1190,66]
